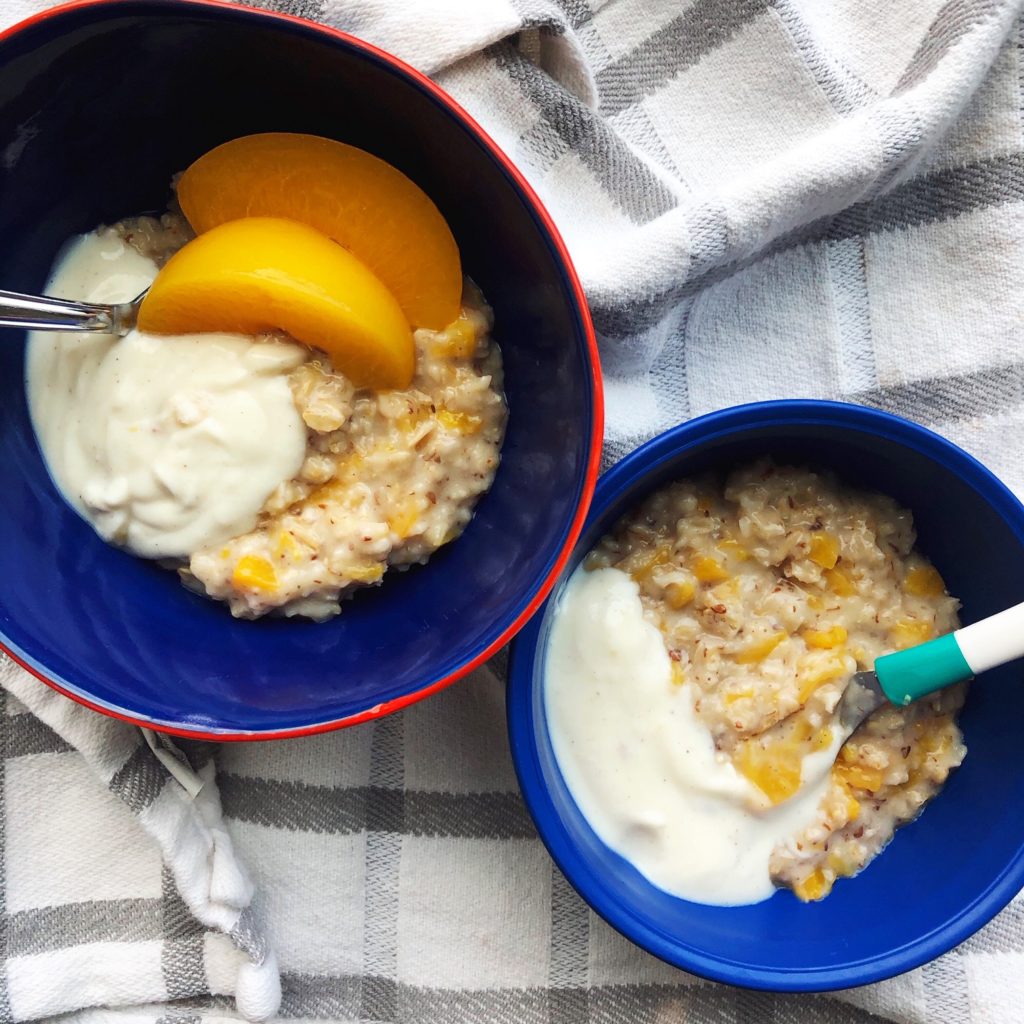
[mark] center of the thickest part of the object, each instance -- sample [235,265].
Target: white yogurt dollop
[642,767]
[166,444]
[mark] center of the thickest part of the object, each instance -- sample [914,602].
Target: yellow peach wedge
[364,204]
[262,274]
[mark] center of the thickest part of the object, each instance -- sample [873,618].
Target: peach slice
[263,274]
[363,203]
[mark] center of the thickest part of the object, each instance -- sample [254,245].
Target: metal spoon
[906,676]
[42,313]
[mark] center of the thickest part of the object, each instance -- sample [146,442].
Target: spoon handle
[917,671]
[43,313]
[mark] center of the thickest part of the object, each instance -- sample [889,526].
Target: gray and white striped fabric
[765,198]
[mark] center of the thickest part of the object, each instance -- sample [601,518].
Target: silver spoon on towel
[43,313]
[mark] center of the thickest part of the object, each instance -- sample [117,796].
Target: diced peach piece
[824,549]
[858,776]
[818,672]
[775,769]
[814,886]
[825,639]
[461,422]
[924,581]
[403,521]
[457,341]
[365,573]
[680,594]
[908,632]
[733,547]
[254,573]
[732,698]
[709,570]
[839,583]
[760,649]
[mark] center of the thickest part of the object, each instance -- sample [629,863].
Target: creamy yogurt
[642,767]
[166,444]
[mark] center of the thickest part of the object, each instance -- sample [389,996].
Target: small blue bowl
[100,103]
[944,875]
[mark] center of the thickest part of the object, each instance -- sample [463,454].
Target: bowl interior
[99,106]
[944,874]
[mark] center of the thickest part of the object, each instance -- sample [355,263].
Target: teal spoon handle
[918,671]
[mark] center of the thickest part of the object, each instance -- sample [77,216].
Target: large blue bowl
[100,103]
[944,875]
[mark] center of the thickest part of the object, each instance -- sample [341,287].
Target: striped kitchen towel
[764,198]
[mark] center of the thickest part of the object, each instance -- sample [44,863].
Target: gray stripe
[249,937]
[311,9]
[557,14]
[845,90]
[670,373]
[640,193]
[468,815]
[615,1004]
[619,1004]
[1003,934]
[755,1008]
[379,995]
[26,734]
[680,44]
[329,997]
[325,997]
[954,20]
[1018,44]
[191,1013]
[75,924]
[949,399]
[800,1009]
[540,147]
[292,805]
[901,133]
[320,997]
[636,126]
[855,352]
[178,921]
[199,753]
[934,197]
[183,968]
[494,1006]
[707,228]
[6,722]
[181,957]
[298,807]
[567,965]
[140,780]
[946,991]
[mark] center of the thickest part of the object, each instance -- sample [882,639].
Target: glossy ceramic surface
[944,875]
[100,103]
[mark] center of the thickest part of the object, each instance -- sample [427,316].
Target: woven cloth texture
[764,199]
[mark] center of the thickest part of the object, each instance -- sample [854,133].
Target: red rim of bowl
[597,431]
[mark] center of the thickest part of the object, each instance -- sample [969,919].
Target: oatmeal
[311,488]
[770,591]
[389,477]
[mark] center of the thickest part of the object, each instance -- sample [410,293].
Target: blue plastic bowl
[100,103]
[944,875]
